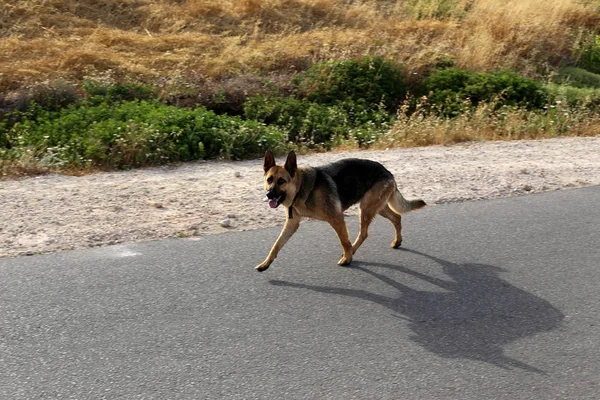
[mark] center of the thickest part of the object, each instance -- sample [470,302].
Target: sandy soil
[54,212]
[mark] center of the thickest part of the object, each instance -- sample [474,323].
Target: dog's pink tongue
[273,203]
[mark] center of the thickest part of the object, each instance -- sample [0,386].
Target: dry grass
[170,40]
[487,122]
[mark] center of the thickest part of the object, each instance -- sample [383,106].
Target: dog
[325,192]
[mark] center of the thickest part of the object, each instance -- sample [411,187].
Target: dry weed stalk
[424,126]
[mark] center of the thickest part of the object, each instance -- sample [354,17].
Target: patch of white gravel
[55,212]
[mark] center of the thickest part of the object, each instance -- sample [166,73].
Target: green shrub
[99,91]
[449,88]
[370,81]
[590,55]
[577,77]
[4,143]
[588,97]
[303,122]
[135,133]
[313,124]
[58,95]
[44,96]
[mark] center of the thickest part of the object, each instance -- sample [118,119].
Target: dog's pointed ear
[290,163]
[269,161]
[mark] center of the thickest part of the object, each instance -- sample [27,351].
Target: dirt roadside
[54,212]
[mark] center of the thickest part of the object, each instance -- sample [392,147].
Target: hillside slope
[177,44]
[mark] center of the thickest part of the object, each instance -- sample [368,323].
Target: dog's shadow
[473,318]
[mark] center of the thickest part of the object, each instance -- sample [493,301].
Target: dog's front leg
[290,227]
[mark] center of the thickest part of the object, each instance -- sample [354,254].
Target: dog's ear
[269,161]
[290,163]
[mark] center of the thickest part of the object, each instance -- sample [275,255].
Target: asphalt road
[488,300]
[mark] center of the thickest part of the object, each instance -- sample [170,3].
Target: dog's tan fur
[314,193]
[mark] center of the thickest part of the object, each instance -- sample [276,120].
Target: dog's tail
[400,205]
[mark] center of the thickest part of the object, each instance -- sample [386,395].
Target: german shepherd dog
[325,192]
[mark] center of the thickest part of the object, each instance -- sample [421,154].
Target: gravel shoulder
[54,212]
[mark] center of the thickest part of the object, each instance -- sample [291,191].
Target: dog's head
[280,181]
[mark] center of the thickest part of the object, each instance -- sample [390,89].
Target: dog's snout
[271,195]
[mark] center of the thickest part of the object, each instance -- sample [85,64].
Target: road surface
[490,299]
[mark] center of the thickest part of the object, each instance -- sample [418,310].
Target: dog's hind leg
[396,220]
[371,203]
[366,217]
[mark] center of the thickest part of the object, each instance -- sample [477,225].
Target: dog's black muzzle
[275,197]
[271,195]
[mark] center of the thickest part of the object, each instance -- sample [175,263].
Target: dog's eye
[280,181]
[270,180]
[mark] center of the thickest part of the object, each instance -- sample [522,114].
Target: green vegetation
[590,55]
[335,102]
[449,88]
[356,103]
[577,77]
[314,125]
[368,81]
[93,85]
[100,132]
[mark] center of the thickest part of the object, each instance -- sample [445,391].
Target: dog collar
[290,214]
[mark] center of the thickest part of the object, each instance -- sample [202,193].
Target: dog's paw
[262,267]
[345,261]
[396,243]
